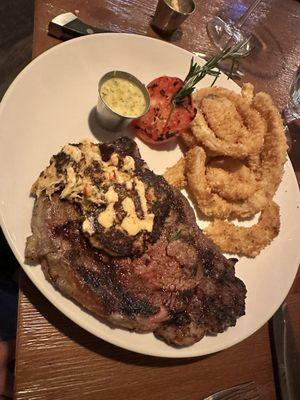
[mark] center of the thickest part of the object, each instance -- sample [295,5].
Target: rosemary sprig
[211,67]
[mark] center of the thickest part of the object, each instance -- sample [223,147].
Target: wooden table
[58,360]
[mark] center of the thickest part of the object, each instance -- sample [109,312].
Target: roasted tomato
[163,121]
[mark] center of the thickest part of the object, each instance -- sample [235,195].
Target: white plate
[49,105]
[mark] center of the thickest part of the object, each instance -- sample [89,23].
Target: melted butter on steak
[123,204]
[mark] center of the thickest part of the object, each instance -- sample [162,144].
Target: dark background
[16,26]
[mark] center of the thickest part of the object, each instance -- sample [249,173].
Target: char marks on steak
[113,240]
[181,288]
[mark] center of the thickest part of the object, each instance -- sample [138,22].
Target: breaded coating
[226,123]
[208,202]
[231,178]
[273,155]
[217,193]
[188,139]
[175,175]
[247,91]
[246,241]
[234,165]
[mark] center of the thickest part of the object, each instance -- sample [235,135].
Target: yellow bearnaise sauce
[123,97]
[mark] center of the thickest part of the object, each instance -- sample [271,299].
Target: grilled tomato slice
[164,121]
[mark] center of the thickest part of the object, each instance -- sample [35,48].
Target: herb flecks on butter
[123,97]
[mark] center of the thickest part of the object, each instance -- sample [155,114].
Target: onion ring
[273,155]
[226,123]
[208,202]
[175,175]
[267,167]
[246,241]
[188,139]
[230,178]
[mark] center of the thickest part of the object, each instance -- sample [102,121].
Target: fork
[245,391]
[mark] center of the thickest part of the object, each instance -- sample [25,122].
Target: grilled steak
[109,181]
[181,288]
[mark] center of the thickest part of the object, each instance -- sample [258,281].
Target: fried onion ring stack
[236,150]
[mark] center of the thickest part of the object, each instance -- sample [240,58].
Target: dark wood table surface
[58,360]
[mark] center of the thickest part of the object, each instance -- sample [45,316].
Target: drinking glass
[291,113]
[224,32]
[292,110]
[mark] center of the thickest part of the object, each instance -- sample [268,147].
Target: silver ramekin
[108,118]
[166,19]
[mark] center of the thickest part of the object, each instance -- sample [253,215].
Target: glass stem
[288,116]
[246,15]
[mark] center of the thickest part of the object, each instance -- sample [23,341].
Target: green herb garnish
[175,235]
[211,67]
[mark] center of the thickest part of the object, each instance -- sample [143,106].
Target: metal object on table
[110,119]
[286,354]
[67,26]
[245,391]
[170,14]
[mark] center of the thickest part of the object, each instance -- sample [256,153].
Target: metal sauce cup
[167,19]
[110,119]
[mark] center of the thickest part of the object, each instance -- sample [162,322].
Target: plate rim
[55,301]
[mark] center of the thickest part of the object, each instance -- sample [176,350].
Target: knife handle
[73,29]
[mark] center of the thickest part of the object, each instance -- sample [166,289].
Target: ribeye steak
[181,288]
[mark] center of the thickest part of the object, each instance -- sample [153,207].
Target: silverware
[245,391]
[68,26]
[288,359]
